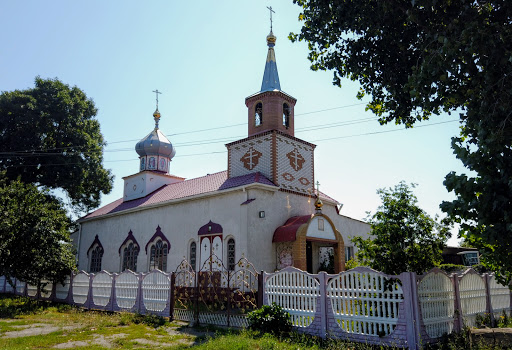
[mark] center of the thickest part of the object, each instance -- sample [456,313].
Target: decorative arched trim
[158,234]
[209,229]
[94,243]
[130,237]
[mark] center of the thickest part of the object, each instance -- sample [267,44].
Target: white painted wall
[181,221]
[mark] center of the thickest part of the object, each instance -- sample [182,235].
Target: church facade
[264,207]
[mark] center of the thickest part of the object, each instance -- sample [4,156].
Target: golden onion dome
[318,203]
[271,39]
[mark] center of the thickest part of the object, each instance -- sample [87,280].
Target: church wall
[295,165]
[179,222]
[348,227]
[278,207]
[250,156]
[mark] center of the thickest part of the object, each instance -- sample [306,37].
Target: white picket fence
[361,305]
[368,306]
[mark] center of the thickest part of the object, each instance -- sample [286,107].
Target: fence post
[229,299]
[90,296]
[458,323]
[323,302]
[139,294]
[196,299]
[70,291]
[113,291]
[409,290]
[173,296]
[488,302]
[261,289]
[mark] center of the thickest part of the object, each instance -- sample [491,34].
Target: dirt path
[177,334]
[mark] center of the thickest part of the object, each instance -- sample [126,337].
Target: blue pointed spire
[270,76]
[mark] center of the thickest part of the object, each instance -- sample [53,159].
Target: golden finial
[156,115]
[318,202]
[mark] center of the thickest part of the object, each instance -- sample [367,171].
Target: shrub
[151,320]
[270,319]
[449,268]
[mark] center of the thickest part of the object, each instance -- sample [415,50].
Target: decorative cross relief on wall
[296,159]
[251,158]
[284,255]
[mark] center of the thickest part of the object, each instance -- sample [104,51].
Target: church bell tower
[271,147]
[270,108]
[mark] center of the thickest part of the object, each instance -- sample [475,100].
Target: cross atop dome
[270,76]
[156,115]
[155,150]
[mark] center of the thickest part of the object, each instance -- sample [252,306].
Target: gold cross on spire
[270,9]
[318,187]
[157,92]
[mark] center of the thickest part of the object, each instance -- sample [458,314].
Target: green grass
[131,331]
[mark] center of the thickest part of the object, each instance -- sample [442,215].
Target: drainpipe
[78,244]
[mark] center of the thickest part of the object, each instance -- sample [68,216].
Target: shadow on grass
[13,306]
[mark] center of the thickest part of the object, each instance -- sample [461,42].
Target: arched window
[142,163]
[193,255]
[130,253]
[158,256]
[258,114]
[95,254]
[231,254]
[159,247]
[286,115]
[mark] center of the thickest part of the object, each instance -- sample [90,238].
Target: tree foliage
[49,137]
[403,236]
[418,58]
[34,234]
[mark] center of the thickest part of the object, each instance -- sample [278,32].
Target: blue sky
[206,57]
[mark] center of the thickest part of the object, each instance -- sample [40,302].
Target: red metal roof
[205,184]
[287,232]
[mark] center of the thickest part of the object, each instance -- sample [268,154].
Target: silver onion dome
[155,143]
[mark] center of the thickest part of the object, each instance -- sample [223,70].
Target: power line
[219,152]
[382,132]
[32,153]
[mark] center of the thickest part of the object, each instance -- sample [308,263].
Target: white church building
[264,207]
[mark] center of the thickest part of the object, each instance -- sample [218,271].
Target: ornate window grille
[96,256]
[158,257]
[130,253]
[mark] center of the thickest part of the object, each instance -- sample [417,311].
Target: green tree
[34,234]
[49,137]
[403,236]
[418,58]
